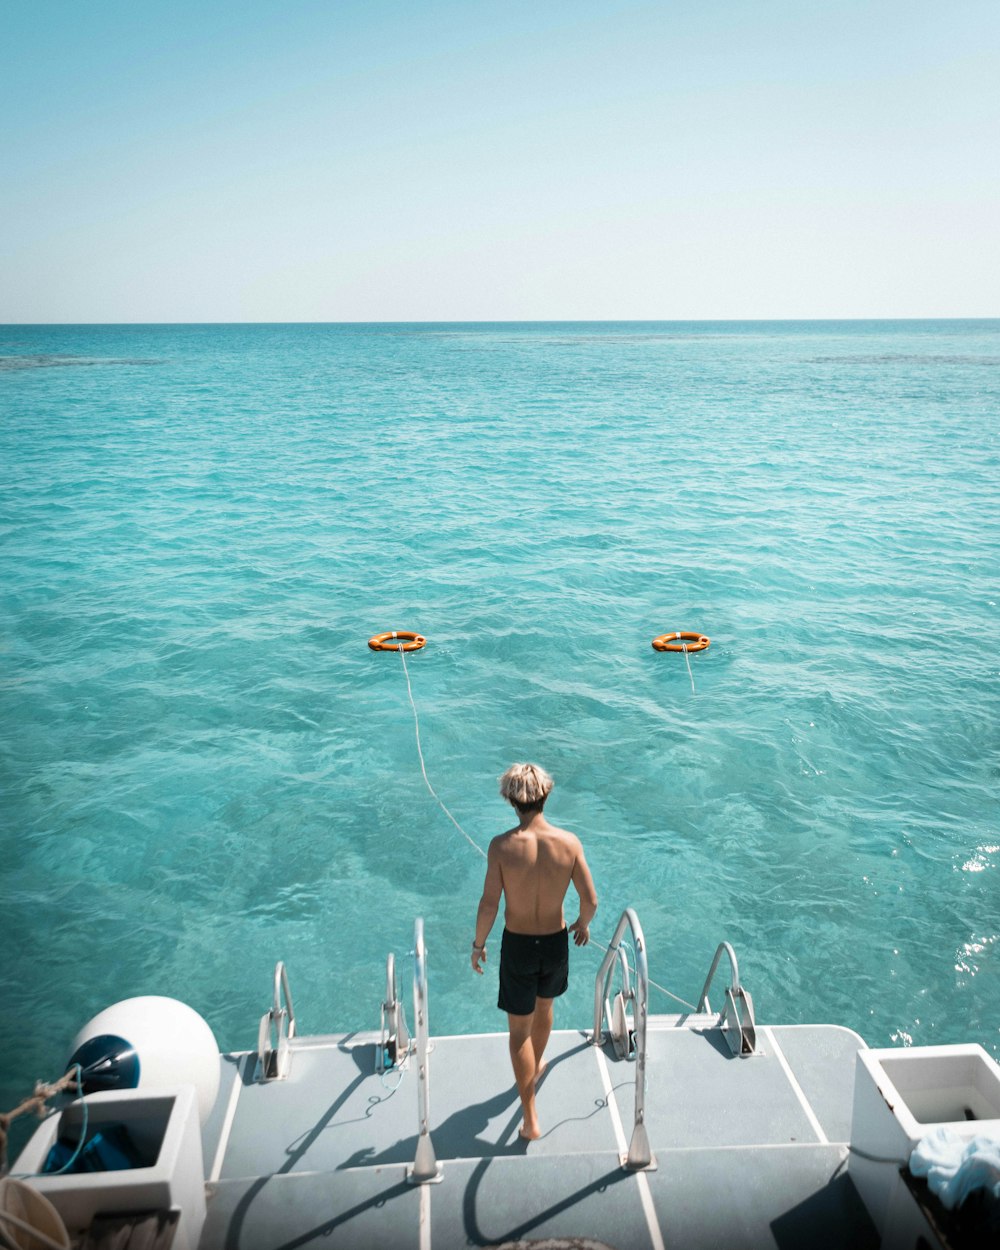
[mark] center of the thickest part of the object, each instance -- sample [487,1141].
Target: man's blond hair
[526,785]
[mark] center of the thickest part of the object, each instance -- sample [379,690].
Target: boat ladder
[274,1053]
[736,1020]
[394,1041]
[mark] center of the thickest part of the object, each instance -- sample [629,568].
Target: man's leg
[540,1029]
[522,1058]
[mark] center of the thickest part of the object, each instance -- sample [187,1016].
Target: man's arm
[489,905]
[583,883]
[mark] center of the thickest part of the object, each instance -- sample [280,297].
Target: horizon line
[543,321]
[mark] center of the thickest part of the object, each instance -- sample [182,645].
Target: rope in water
[687,661]
[475,845]
[423,767]
[678,641]
[663,990]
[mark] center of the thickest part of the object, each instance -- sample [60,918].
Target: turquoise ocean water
[204,768]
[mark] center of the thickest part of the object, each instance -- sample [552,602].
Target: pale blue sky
[354,160]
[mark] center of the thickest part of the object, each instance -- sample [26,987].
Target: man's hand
[478,954]
[581,932]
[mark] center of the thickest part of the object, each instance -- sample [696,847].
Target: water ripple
[204,767]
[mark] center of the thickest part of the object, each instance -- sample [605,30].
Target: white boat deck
[750,1152]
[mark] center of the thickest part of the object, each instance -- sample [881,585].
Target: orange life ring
[397,640]
[681,642]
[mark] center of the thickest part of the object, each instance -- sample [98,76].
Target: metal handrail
[639,1153]
[273,1061]
[394,1045]
[737,1017]
[425,1169]
[724,947]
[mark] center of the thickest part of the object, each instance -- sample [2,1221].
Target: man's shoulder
[502,840]
[563,837]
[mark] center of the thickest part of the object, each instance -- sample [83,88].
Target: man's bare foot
[529,1134]
[541,1071]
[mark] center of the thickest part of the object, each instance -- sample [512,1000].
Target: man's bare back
[531,867]
[537,864]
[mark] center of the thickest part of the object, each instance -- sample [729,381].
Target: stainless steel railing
[736,1019]
[629,1040]
[273,1061]
[425,1169]
[394,1044]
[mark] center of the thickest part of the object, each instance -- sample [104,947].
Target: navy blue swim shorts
[532,966]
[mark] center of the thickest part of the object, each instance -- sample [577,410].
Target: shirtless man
[532,865]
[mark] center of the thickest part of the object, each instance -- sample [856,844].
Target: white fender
[171,1042]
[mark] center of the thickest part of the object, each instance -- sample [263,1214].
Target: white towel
[954,1166]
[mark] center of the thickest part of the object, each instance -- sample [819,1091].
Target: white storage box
[900,1096]
[165,1130]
